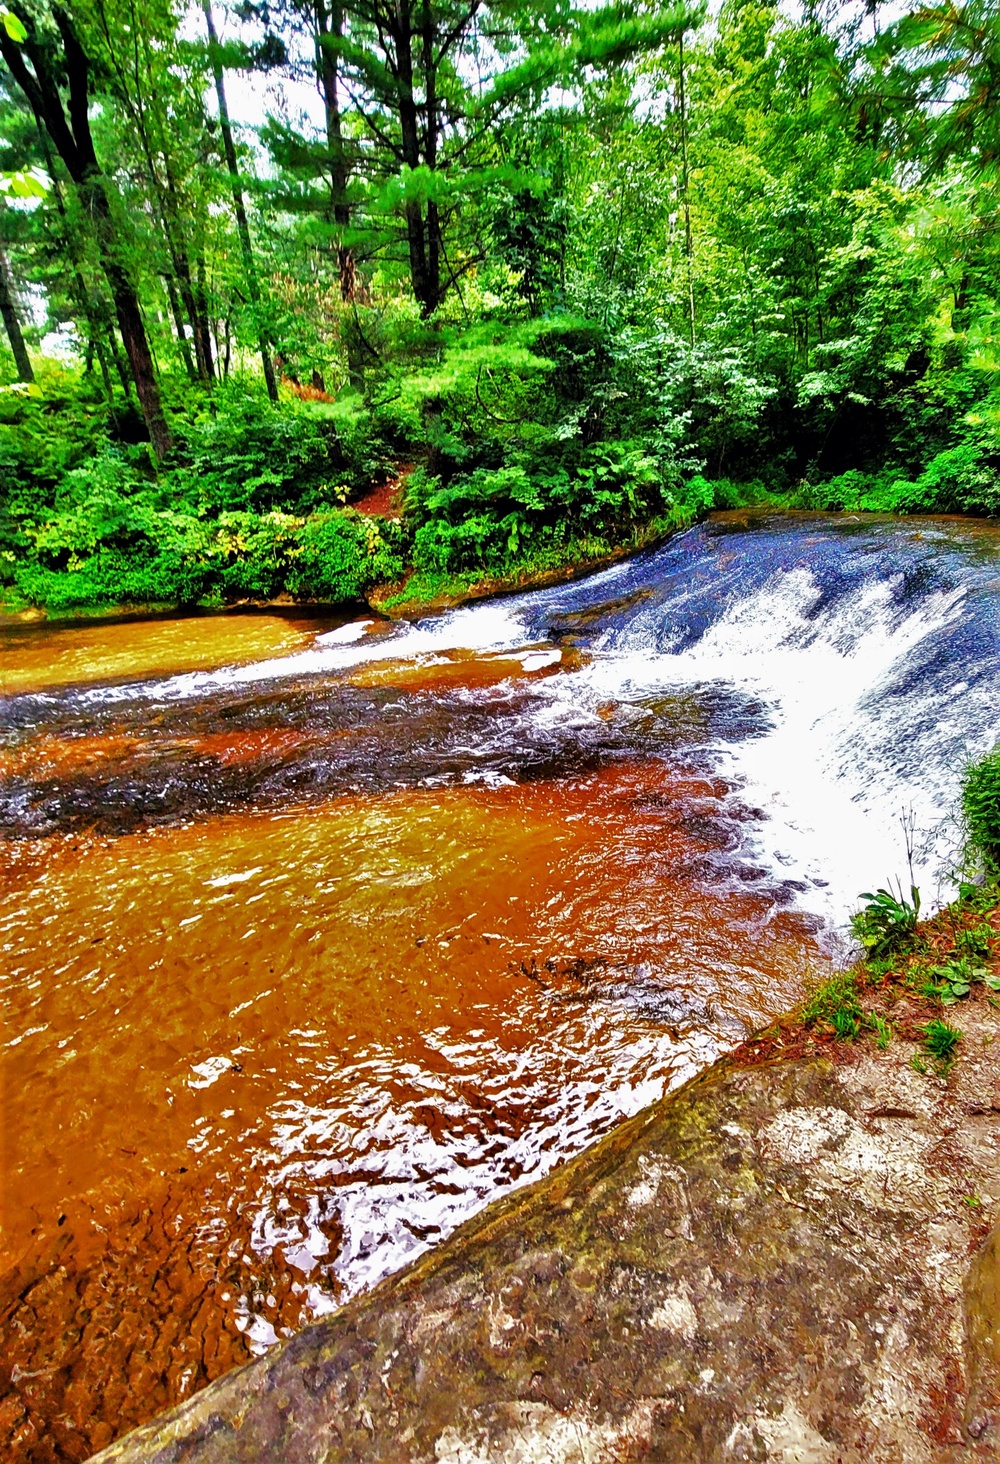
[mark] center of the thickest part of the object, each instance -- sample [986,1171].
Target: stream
[318,936]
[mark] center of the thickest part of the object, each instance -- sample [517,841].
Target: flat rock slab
[789,1261]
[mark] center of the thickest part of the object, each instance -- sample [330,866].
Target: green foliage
[836,1004]
[169,558]
[961,479]
[940,1042]
[341,555]
[885,924]
[981,809]
[251,506]
[955,979]
[881,1029]
[976,942]
[739,263]
[250,455]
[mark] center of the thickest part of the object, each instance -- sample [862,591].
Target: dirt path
[386,500]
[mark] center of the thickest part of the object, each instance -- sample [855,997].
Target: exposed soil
[385,500]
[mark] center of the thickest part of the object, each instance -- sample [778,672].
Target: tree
[158,91]
[413,73]
[54,72]
[242,223]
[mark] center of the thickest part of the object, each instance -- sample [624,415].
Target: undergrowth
[937,964]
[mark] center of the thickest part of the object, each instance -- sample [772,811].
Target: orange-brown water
[35,656]
[256,1060]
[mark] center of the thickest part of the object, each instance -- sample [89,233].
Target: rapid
[317,936]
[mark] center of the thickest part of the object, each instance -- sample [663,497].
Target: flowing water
[316,937]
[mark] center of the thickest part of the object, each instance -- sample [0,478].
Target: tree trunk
[425,288]
[330,22]
[129,315]
[242,223]
[12,323]
[203,331]
[182,341]
[685,190]
[430,156]
[68,126]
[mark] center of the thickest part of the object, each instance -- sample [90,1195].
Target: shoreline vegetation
[555,279]
[413,591]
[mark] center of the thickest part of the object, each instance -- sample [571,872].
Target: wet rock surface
[67,763]
[792,1258]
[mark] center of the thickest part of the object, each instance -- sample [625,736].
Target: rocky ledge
[792,1258]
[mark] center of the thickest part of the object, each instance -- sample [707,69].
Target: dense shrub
[491,517]
[251,455]
[341,555]
[964,478]
[981,807]
[167,558]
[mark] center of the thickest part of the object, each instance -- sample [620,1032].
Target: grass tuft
[940,1042]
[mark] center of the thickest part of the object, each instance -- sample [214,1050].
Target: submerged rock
[788,1260]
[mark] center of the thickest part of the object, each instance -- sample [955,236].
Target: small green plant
[940,1042]
[886,922]
[881,1028]
[956,979]
[877,968]
[846,1025]
[836,1004]
[977,897]
[977,942]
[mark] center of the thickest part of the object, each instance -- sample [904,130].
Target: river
[318,935]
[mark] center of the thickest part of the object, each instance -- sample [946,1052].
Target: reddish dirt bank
[385,501]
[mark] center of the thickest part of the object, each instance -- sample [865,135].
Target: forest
[570,274]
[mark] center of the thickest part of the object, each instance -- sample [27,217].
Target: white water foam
[488,628]
[826,774]
[846,758]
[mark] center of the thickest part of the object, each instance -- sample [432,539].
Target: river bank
[792,1258]
[415,593]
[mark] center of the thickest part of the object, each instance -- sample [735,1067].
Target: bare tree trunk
[425,286]
[130,321]
[242,223]
[685,189]
[203,333]
[330,22]
[12,322]
[182,340]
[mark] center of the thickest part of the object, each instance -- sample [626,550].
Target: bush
[341,555]
[491,517]
[113,577]
[886,922]
[835,1004]
[981,808]
[963,479]
[144,556]
[254,456]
